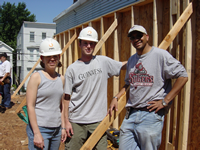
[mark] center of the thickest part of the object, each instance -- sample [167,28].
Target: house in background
[29,38]
[7,49]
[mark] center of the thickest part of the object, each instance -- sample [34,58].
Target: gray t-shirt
[47,107]
[150,75]
[86,82]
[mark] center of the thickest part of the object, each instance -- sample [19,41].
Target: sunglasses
[138,36]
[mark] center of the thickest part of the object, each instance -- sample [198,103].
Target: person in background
[85,100]
[5,82]
[149,73]
[44,95]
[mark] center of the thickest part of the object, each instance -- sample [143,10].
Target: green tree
[11,20]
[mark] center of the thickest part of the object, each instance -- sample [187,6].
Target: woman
[44,96]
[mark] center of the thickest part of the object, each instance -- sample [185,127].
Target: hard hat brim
[87,39]
[50,53]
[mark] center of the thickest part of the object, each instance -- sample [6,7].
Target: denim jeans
[51,136]
[141,131]
[6,96]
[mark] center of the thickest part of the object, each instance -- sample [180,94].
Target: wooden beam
[115,78]
[22,83]
[64,64]
[177,27]
[107,121]
[133,10]
[103,126]
[103,49]
[61,57]
[106,35]
[187,87]
[69,50]
[155,24]
[75,47]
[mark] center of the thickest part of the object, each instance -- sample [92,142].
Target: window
[38,56]
[32,37]
[43,35]
[31,54]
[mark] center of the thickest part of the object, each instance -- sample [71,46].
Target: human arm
[2,79]
[63,128]
[178,85]
[114,102]
[124,65]
[68,125]
[31,94]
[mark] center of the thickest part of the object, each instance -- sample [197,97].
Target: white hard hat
[49,47]
[137,28]
[89,34]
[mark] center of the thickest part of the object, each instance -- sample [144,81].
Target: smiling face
[87,48]
[50,62]
[139,40]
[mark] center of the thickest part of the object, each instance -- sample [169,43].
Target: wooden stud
[75,47]
[64,64]
[103,49]
[133,50]
[187,87]
[105,36]
[155,24]
[115,78]
[177,26]
[61,57]
[69,50]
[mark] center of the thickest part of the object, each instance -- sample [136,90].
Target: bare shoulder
[35,77]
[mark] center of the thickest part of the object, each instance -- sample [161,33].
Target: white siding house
[8,50]
[29,38]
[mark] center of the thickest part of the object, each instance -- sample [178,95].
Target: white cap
[49,47]
[89,34]
[137,28]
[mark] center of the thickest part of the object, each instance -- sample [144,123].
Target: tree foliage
[11,20]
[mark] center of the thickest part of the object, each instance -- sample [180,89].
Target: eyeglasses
[138,36]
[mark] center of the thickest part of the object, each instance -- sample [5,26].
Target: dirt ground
[13,129]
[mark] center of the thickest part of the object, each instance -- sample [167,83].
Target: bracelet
[63,128]
[116,97]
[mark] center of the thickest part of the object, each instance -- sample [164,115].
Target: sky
[44,10]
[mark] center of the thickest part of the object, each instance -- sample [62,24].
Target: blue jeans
[5,92]
[141,131]
[51,136]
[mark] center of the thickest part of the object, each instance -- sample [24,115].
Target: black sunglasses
[138,36]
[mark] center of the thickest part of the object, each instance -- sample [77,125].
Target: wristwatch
[164,103]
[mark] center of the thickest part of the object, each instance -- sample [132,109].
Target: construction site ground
[13,129]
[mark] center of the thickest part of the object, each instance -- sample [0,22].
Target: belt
[141,109]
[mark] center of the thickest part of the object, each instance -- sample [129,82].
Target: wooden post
[105,36]
[64,64]
[75,47]
[103,49]
[61,57]
[155,25]
[188,66]
[116,79]
[69,50]
[133,50]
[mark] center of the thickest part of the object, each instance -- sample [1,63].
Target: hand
[155,105]
[1,80]
[69,129]
[38,140]
[64,135]
[114,104]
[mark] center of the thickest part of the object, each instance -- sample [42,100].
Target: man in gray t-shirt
[149,73]
[86,91]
